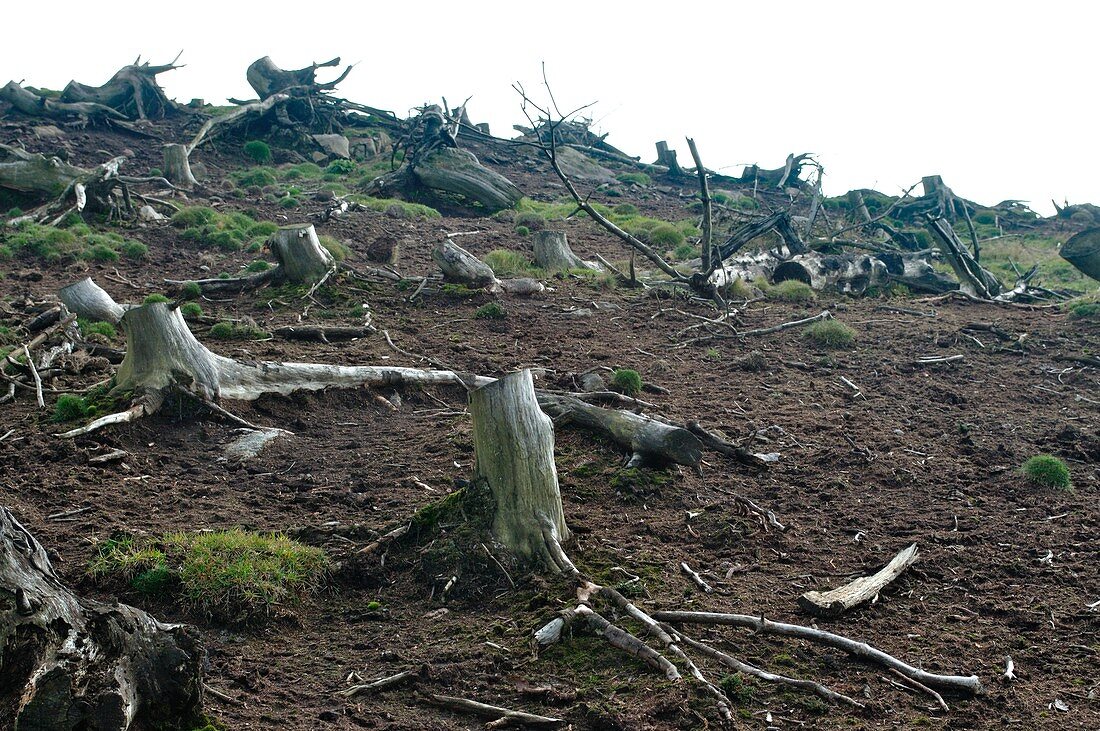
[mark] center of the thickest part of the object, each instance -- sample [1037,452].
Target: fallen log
[835,602]
[34,105]
[71,662]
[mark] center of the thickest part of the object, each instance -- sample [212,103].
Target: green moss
[230,574]
[490,311]
[737,689]
[257,266]
[257,177]
[191,290]
[830,334]
[155,298]
[408,210]
[222,330]
[338,250]
[258,150]
[191,311]
[229,331]
[626,381]
[69,407]
[1047,471]
[340,167]
[460,290]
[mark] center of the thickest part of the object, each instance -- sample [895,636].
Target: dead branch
[837,601]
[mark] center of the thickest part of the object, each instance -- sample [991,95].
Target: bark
[64,187]
[87,299]
[34,105]
[462,267]
[75,663]
[649,440]
[455,171]
[266,78]
[514,454]
[177,168]
[864,589]
[851,273]
[973,279]
[35,174]
[302,259]
[132,91]
[553,254]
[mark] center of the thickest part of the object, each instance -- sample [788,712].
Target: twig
[504,717]
[37,378]
[921,686]
[68,513]
[694,576]
[390,682]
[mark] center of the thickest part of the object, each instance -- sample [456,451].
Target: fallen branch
[837,601]
[503,717]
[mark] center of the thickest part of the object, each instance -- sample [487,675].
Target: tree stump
[74,663]
[553,254]
[514,454]
[462,267]
[667,157]
[88,300]
[456,171]
[177,168]
[301,257]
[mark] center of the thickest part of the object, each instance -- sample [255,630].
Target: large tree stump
[74,663]
[301,257]
[553,254]
[667,157]
[456,171]
[514,454]
[133,91]
[266,78]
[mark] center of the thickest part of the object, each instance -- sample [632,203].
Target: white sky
[998,97]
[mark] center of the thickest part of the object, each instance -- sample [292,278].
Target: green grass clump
[226,231]
[634,179]
[736,689]
[70,408]
[231,574]
[257,266]
[257,177]
[531,220]
[338,250]
[666,235]
[1044,470]
[626,381]
[505,263]
[133,250]
[490,311]
[96,328]
[523,231]
[1085,307]
[791,290]
[340,167]
[62,244]
[155,298]
[288,202]
[229,331]
[408,210]
[191,311]
[190,291]
[684,251]
[830,334]
[258,151]
[625,209]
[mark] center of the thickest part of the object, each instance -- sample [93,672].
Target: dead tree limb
[835,602]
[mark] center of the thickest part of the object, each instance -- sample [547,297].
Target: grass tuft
[830,334]
[627,382]
[1044,470]
[791,290]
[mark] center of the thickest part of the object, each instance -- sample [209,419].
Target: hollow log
[514,454]
[266,78]
[177,168]
[864,589]
[852,273]
[75,663]
[553,254]
[462,267]
[133,91]
[87,299]
[649,441]
[302,259]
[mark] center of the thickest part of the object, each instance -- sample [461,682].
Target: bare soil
[926,454]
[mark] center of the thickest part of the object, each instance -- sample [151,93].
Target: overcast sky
[998,97]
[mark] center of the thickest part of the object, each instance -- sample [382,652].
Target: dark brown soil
[928,454]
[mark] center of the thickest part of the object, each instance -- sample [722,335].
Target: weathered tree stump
[514,454]
[88,300]
[667,157]
[553,254]
[456,171]
[462,267]
[133,91]
[33,105]
[266,78]
[302,259]
[75,663]
[177,168]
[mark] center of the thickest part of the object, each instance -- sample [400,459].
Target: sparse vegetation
[191,290]
[228,574]
[155,298]
[191,311]
[1047,471]
[830,334]
[225,231]
[506,263]
[634,179]
[230,331]
[490,311]
[105,329]
[408,210]
[790,290]
[69,407]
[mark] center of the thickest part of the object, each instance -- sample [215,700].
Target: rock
[592,382]
[199,171]
[148,213]
[578,166]
[334,145]
[362,148]
[48,132]
[579,312]
[318,157]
